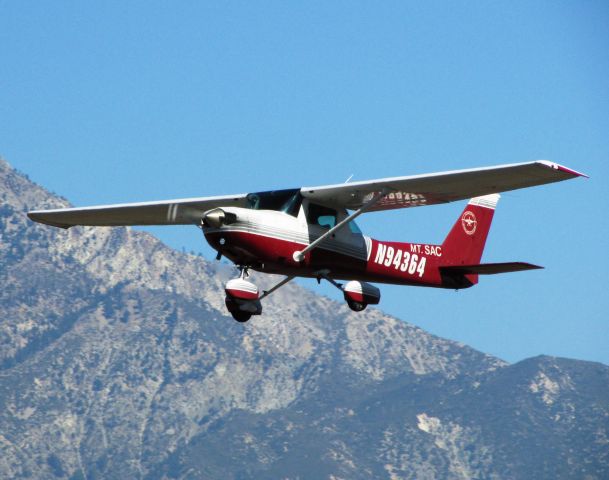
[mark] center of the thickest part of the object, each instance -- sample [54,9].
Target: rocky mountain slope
[118,360]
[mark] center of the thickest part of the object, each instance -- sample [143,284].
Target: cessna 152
[310,231]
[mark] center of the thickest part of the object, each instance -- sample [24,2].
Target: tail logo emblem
[469,222]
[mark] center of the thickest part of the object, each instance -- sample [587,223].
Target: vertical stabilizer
[465,242]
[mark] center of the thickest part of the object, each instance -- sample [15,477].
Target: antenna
[350,177]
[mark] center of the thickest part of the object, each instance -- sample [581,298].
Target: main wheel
[241,316]
[356,306]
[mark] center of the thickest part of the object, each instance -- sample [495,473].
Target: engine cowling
[358,295]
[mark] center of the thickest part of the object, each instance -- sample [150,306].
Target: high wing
[441,187]
[402,192]
[168,212]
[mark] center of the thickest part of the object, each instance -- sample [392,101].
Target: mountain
[118,360]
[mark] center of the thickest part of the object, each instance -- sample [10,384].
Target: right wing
[440,187]
[168,212]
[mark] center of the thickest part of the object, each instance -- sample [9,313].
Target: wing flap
[489,268]
[442,187]
[168,212]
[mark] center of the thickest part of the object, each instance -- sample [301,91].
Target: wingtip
[562,168]
[33,216]
[37,216]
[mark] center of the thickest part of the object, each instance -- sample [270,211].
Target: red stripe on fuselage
[388,262]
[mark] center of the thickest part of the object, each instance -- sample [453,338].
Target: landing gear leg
[244,271]
[324,274]
[355,305]
[266,293]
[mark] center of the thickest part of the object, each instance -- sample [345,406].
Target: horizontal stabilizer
[489,268]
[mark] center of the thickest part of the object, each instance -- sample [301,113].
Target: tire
[356,306]
[240,316]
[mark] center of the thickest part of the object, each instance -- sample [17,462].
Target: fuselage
[265,240]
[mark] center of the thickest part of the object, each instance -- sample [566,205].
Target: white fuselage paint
[283,226]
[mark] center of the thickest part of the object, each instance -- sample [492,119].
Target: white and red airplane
[310,231]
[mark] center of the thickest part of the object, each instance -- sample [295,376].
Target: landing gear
[358,295]
[243,298]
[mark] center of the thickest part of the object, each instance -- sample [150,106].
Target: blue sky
[123,101]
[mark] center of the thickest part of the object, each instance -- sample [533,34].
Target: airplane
[311,232]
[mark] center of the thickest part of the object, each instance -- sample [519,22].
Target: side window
[323,216]
[354,228]
[327,221]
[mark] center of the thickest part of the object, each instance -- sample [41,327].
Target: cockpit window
[323,216]
[287,201]
[327,218]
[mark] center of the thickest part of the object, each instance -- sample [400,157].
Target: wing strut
[266,293]
[299,255]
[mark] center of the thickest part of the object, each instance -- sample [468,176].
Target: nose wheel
[242,297]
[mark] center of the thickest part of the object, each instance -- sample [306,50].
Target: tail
[462,249]
[465,242]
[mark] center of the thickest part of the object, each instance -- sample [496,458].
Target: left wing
[442,187]
[168,212]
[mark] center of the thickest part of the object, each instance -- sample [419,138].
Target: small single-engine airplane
[310,231]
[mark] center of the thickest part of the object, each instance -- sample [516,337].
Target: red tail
[465,242]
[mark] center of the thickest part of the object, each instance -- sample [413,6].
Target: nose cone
[214,218]
[217,217]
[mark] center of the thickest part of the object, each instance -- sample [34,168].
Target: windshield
[287,201]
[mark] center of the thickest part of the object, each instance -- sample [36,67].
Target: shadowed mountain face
[118,360]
